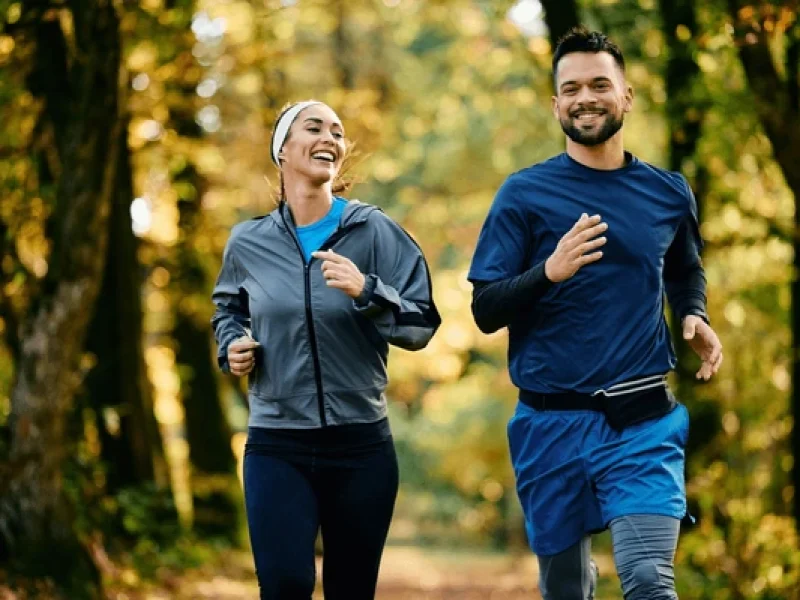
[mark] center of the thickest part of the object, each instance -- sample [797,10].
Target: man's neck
[308,203]
[607,156]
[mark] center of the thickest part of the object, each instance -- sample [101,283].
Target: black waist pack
[635,401]
[623,405]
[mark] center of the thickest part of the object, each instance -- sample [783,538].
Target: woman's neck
[308,203]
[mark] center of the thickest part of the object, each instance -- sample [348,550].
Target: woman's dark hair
[340,183]
[580,39]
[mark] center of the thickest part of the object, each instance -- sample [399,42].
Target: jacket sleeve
[232,317]
[398,297]
[684,276]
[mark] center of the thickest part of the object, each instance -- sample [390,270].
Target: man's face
[591,97]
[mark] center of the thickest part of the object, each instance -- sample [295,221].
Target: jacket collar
[355,213]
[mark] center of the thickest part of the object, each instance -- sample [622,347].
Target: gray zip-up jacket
[322,359]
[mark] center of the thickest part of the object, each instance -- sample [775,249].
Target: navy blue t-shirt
[606,324]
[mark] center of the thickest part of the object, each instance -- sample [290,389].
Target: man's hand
[340,272]
[705,343]
[241,355]
[576,248]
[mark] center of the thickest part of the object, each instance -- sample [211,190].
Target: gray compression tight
[644,550]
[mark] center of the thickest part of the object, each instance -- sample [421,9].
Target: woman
[307,301]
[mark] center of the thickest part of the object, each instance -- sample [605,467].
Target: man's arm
[684,276]
[685,283]
[496,304]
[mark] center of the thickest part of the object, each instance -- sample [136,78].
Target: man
[574,258]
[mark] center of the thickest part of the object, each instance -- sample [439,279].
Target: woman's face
[315,146]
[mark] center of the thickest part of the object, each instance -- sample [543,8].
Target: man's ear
[628,106]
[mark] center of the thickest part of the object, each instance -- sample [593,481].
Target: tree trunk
[560,16]
[686,111]
[776,104]
[344,59]
[118,388]
[34,510]
[216,491]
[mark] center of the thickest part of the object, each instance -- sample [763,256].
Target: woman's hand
[340,272]
[242,355]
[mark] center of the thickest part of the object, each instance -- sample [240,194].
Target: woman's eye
[314,129]
[337,135]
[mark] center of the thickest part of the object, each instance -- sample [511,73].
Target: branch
[6,304]
[773,100]
[686,109]
[793,68]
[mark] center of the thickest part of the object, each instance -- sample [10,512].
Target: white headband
[282,127]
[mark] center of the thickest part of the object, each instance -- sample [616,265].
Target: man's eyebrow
[594,80]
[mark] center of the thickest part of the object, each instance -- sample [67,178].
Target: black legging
[350,498]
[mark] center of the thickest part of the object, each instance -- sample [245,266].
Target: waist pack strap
[565,401]
[623,407]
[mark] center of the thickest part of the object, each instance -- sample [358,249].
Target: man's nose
[586,95]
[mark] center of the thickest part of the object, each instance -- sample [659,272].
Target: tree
[560,16]
[767,38]
[215,488]
[76,76]
[118,389]
[686,108]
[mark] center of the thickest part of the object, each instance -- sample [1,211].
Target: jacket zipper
[312,336]
[313,339]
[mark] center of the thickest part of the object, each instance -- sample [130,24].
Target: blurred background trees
[135,134]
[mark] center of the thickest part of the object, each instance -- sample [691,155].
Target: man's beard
[592,138]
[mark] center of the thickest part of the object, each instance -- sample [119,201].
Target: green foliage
[443,100]
[150,559]
[756,557]
[147,512]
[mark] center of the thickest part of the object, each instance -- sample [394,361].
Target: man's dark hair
[580,39]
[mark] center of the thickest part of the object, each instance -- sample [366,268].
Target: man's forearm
[496,304]
[687,296]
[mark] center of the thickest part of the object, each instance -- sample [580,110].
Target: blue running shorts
[575,474]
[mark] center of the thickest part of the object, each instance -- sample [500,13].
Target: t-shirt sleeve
[504,240]
[693,217]
[684,276]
